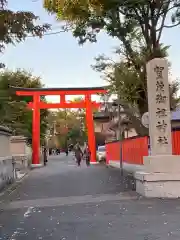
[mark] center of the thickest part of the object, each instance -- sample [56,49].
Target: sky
[60,61]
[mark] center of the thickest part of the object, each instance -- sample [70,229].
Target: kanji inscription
[159,72]
[161,98]
[158,104]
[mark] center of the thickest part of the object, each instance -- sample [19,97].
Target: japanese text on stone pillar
[161,103]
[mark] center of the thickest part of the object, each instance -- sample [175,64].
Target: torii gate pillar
[90,127]
[36,132]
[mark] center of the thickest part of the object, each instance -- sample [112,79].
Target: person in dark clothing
[78,154]
[87,155]
[45,155]
[50,151]
[66,150]
[57,151]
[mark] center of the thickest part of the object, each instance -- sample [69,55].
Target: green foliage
[118,18]
[16,26]
[124,81]
[137,24]
[13,109]
[123,78]
[174,88]
[68,126]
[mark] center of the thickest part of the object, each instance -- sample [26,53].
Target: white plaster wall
[28,150]
[21,152]
[4,145]
[17,147]
[20,147]
[131,133]
[97,126]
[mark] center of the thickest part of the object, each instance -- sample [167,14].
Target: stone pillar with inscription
[161,176]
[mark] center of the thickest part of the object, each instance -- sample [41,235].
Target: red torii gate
[37,104]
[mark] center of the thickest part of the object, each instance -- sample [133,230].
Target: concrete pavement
[62,201]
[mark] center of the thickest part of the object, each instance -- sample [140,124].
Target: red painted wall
[176,142]
[112,151]
[134,149]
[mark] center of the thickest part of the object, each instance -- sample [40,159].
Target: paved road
[64,202]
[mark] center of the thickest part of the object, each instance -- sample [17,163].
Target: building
[107,126]
[106,123]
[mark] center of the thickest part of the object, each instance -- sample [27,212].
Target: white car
[101,153]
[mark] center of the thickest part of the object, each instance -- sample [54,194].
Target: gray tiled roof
[175,115]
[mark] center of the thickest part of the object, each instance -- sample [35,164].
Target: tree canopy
[16,26]
[137,24]
[13,109]
[131,87]
[118,18]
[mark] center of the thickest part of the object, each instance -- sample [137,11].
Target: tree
[13,109]
[137,24]
[123,81]
[120,19]
[17,26]
[68,127]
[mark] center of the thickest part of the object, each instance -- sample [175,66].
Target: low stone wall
[6,162]
[21,152]
[6,171]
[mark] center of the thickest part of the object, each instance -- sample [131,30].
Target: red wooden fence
[134,149]
[112,151]
[176,142]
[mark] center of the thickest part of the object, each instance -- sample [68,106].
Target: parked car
[101,153]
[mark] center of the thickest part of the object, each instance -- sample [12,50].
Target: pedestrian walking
[57,151]
[50,151]
[78,154]
[45,155]
[66,151]
[87,155]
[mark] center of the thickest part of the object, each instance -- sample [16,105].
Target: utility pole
[120,135]
[66,126]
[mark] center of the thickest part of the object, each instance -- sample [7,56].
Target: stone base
[160,177]
[162,164]
[36,165]
[160,185]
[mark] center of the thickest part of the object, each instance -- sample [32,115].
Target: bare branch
[171,26]
[163,21]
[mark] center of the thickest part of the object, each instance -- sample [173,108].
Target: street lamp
[115,109]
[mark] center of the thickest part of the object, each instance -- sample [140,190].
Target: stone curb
[11,188]
[127,176]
